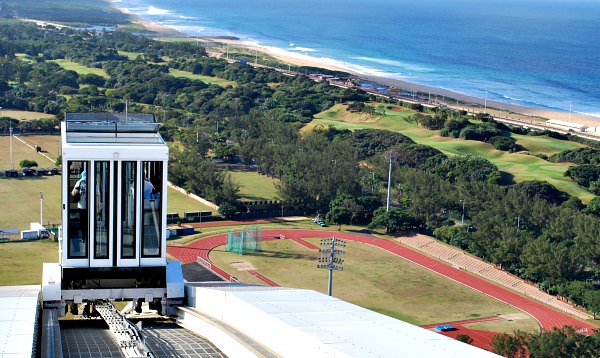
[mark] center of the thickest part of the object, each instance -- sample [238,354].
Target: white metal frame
[119,153]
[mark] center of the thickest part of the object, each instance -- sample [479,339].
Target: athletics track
[547,317]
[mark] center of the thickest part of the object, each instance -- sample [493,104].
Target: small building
[568,126]
[595,129]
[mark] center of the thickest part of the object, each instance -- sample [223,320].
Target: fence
[242,242]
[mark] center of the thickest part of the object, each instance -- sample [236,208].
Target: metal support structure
[127,334]
[329,258]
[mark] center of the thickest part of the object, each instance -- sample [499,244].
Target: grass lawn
[24,115]
[254,186]
[510,324]
[22,261]
[50,145]
[522,166]
[372,278]
[130,55]
[206,79]
[180,203]
[80,69]
[544,144]
[20,199]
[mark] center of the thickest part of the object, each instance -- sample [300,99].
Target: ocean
[535,53]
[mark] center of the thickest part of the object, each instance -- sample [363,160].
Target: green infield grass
[254,186]
[206,79]
[521,166]
[510,324]
[80,69]
[372,278]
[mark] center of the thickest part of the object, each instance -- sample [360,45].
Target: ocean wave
[512,98]
[589,114]
[153,10]
[303,49]
[395,63]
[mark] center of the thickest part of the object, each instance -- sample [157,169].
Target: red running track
[547,317]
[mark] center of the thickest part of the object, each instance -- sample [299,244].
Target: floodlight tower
[330,248]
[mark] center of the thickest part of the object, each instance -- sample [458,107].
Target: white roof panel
[18,318]
[298,323]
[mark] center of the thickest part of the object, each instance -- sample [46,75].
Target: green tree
[227,210]
[465,338]
[593,207]
[392,221]
[591,298]
[510,346]
[338,215]
[26,163]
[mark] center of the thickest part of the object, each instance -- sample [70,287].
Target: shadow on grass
[506,178]
[281,255]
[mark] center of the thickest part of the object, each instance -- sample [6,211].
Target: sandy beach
[303,60]
[300,59]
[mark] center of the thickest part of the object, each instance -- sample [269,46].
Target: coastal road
[547,317]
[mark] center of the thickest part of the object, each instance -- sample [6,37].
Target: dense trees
[369,142]
[586,175]
[560,342]
[578,156]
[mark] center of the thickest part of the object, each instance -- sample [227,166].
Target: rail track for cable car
[111,334]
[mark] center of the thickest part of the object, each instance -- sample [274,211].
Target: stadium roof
[306,323]
[18,320]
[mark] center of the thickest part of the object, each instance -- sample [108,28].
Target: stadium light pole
[330,248]
[42,208]
[485,103]
[570,108]
[389,189]
[372,182]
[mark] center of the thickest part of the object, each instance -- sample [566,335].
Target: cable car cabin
[113,239]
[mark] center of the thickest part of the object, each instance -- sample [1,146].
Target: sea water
[536,53]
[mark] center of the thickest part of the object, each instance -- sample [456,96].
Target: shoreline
[465,100]
[299,59]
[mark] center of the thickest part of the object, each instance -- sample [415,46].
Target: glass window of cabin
[77,213]
[152,208]
[101,209]
[128,209]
